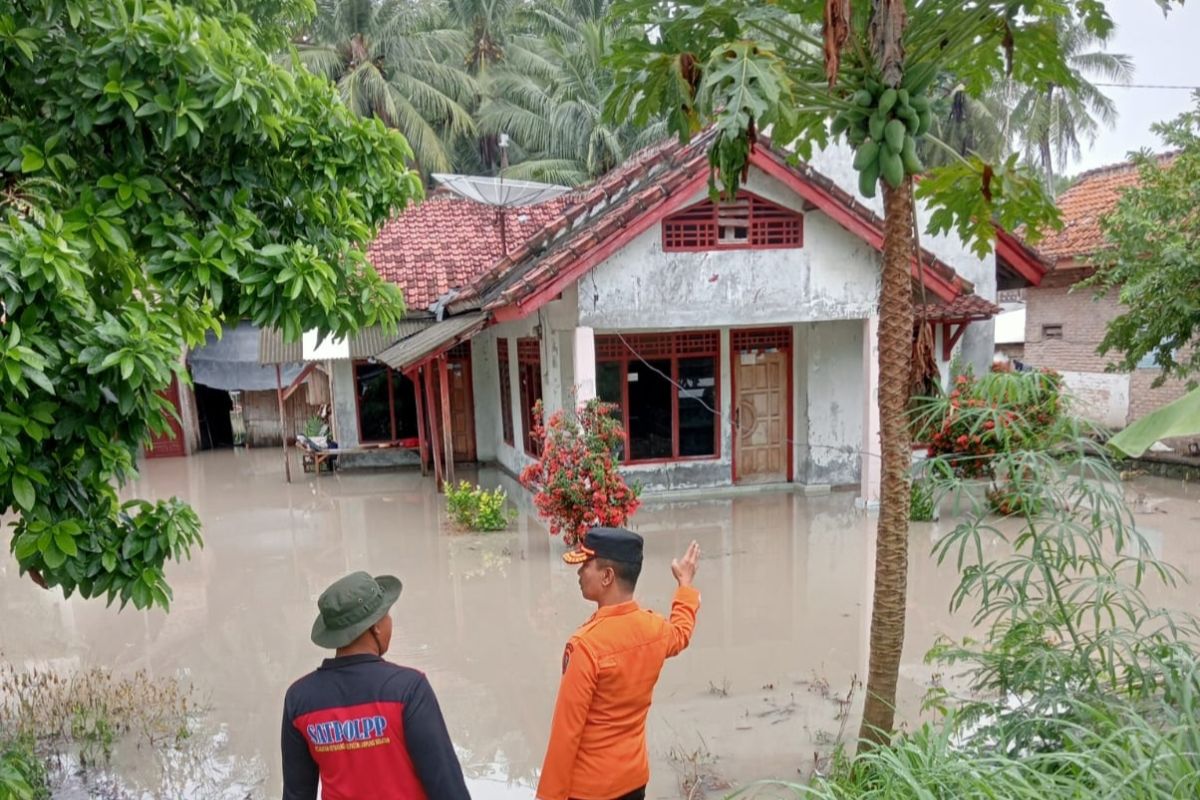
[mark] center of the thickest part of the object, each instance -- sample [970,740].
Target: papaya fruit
[875,125]
[863,99]
[887,100]
[891,168]
[868,179]
[868,153]
[910,159]
[894,133]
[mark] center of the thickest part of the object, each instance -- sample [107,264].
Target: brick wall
[1083,320]
[1143,399]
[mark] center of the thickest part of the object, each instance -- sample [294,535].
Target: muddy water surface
[782,631]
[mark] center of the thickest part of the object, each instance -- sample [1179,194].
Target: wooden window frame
[506,404]
[395,441]
[702,226]
[529,372]
[611,349]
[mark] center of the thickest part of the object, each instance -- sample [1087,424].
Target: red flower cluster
[974,427]
[576,482]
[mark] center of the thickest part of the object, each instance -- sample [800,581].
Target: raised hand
[684,569]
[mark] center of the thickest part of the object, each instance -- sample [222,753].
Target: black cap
[614,544]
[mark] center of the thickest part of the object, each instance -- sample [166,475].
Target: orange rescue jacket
[597,747]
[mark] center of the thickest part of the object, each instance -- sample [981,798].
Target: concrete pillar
[868,496]
[584,352]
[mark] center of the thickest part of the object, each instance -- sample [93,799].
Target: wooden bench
[313,455]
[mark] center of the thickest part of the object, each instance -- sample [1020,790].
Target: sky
[1164,51]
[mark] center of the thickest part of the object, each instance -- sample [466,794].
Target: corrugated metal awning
[433,340]
[366,343]
[233,361]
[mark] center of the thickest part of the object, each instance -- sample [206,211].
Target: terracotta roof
[446,242]
[1094,194]
[602,211]
[960,309]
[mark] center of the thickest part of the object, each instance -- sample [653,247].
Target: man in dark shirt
[366,728]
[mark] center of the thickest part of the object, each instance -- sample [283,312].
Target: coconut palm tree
[400,61]
[551,103]
[1052,120]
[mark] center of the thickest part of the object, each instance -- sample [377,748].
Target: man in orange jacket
[597,747]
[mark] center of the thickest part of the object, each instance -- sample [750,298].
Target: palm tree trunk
[1044,144]
[891,544]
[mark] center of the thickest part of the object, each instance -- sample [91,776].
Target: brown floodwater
[781,636]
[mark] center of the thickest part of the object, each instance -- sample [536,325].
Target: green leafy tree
[746,70]
[400,61]
[1152,265]
[1152,262]
[159,176]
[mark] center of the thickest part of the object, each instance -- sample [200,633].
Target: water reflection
[782,630]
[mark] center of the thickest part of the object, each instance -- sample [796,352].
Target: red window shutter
[747,221]
[749,340]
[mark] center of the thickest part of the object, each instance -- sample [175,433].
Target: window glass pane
[371,390]
[650,395]
[531,391]
[608,388]
[697,423]
[608,381]
[404,398]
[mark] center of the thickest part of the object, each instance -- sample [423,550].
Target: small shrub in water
[475,508]
[922,507]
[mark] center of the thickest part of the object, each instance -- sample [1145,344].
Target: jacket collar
[628,607]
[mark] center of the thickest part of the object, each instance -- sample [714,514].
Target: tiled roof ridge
[1115,168]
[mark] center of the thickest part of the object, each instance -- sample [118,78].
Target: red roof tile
[1094,194]
[447,242]
[960,309]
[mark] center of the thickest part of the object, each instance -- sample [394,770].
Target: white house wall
[485,384]
[976,346]
[836,394]
[833,276]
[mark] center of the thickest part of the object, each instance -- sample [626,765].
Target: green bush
[22,772]
[475,508]
[921,506]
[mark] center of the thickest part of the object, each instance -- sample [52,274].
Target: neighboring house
[1065,323]
[232,396]
[1010,332]
[737,338]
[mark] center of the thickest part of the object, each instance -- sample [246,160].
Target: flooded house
[736,337]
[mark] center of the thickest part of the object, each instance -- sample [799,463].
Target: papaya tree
[813,71]
[159,178]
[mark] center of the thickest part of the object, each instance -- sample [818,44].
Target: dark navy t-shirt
[367,728]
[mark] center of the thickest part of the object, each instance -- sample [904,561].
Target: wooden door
[761,452]
[462,407]
[171,445]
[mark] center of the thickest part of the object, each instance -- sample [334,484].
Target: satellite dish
[498,191]
[500,194]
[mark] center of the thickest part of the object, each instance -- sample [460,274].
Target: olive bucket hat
[351,605]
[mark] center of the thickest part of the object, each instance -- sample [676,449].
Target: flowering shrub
[1002,412]
[576,483]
